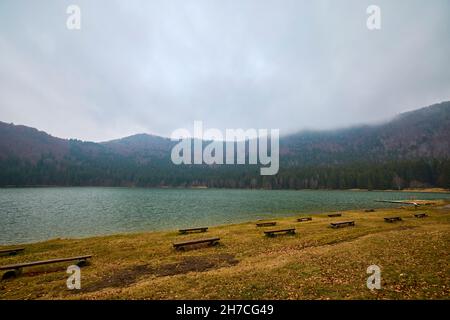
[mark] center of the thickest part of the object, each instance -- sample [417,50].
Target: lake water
[36,214]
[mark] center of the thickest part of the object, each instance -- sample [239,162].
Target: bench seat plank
[272,232]
[201,229]
[42,262]
[12,250]
[420,215]
[304,219]
[197,241]
[335,215]
[266,224]
[342,224]
[392,219]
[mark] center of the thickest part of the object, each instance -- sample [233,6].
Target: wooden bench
[369,210]
[420,215]
[304,219]
[392,219]
[209,241]
[271,233]
[12,251]
[266,224]
[335,215]
[16,269]
[342,224]
[201,229]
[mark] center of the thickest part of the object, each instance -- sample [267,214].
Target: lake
[36,214]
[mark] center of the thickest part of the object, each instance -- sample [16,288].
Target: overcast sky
[155,66]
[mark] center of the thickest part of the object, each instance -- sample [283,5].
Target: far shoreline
[416,190]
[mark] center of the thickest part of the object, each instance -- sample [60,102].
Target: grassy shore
[317,263]
[425,190]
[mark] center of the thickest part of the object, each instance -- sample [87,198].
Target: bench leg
[82,263]
[13,253]
[12,274]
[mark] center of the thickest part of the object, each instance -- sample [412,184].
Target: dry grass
[317,263]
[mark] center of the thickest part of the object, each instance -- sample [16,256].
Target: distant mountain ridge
[411,150]
[422,133]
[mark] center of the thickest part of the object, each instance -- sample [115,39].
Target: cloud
[155,66]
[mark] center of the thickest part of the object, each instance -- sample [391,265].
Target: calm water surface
[36,214]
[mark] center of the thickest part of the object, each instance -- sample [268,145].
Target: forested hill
[412,150]
[422,133]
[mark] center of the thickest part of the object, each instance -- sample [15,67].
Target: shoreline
[144,265]
[414,190]
[423,205]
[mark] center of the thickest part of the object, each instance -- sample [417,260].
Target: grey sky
[154,66]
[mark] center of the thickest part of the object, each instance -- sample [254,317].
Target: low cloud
[155,66]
